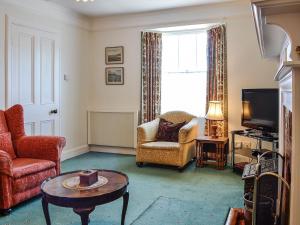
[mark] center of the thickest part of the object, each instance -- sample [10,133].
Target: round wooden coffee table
[84,202]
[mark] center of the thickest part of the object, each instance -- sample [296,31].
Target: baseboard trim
[115,150]
[73,152]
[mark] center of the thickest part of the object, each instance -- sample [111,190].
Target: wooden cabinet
[277,26]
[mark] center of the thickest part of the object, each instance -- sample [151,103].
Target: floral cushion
[6,144]
[168,131]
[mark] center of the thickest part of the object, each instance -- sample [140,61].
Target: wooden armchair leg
[181,169]
[5,212]
[139,164]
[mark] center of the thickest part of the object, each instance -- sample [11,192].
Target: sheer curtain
[184,72]
[151,75]
[217,74]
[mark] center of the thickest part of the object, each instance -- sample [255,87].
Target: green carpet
[171,211]
[213,191]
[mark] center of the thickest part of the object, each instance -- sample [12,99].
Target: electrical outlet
[246,144]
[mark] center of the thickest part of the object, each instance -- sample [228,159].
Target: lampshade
[214,111]
[247,110]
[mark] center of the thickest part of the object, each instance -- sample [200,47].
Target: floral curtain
[151,75]
[217,75]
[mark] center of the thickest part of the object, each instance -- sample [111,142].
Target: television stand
[260,137]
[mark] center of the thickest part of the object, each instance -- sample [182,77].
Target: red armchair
[25,161]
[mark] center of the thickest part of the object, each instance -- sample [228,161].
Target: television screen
[260,109]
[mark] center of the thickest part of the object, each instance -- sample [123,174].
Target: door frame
[9,22]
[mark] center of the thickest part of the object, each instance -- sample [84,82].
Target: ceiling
[114,7]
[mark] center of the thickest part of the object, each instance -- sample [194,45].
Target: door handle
[54,111]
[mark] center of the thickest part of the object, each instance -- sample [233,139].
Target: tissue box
[88,177]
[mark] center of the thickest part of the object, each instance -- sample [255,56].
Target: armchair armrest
[147,132]
[5,164]
[189,132]
[40,147]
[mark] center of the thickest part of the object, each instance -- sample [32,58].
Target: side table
[221,150]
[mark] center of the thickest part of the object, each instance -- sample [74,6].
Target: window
[184,72]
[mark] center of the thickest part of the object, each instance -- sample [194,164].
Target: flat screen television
[260,109]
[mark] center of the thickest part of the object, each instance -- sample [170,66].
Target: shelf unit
[247,153]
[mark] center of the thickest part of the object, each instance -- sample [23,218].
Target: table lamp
[214,114]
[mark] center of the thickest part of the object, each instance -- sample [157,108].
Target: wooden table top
[54,187]
[210,139]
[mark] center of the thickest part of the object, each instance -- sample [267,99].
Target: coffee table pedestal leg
[46,211]
[84,214]
[125,204]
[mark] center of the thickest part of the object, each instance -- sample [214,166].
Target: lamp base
[214,128]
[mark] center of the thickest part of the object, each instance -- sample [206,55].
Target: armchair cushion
[26,166]
[24,185]
[6,144]
[168,131]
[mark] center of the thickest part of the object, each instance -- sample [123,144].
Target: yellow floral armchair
[179,154]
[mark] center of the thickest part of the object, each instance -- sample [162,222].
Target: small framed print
[114,55]
[114,75]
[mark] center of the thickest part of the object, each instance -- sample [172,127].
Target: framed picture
[114,75]
[114,55]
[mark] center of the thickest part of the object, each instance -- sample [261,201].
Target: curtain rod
[184,30]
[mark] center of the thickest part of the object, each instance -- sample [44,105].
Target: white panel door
[34,78]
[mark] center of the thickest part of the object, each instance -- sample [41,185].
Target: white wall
[116,97]
[75,44]
[83,42]
[246,68]
[75,60]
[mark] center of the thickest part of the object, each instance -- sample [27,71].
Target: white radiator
[113,128]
